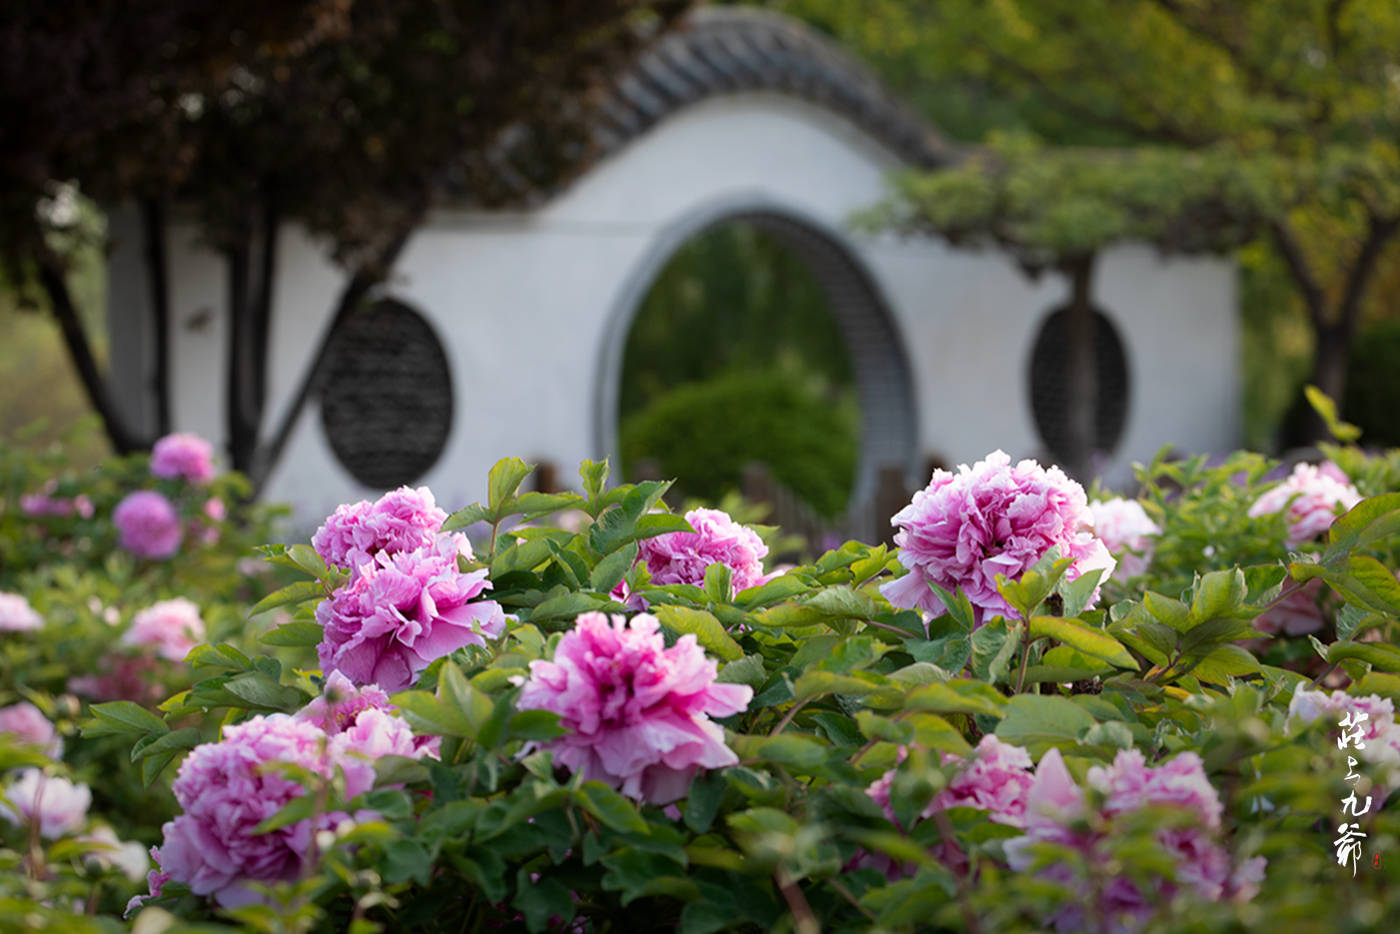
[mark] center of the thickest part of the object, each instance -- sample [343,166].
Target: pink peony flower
[638,713]
[1379,732]
[964,529]
[682,557]
[148,525]
[1122,525]
[1055,804]
[227,788]
[183,455]
[402,611]
[1309,498]
[16,615]
[27,724]
[173,627]
[995,778]
[58,805]
[123,678]
[341,705]
[109,852]
[1296,614]
[400,520]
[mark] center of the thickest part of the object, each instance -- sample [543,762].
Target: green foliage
[848,690]
[806,439]
[1373,385]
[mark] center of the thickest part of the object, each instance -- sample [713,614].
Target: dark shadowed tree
[351,117]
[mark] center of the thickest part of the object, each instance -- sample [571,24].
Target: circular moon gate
[888,433]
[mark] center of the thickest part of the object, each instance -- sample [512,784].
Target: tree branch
[55,285]
[1233,50]
[1379,232]
[1313,296]
[354,292]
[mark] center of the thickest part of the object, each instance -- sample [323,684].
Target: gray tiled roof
[725,50]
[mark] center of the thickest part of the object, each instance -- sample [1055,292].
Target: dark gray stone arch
[879,359]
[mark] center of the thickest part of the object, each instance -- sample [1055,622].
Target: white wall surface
[532,308]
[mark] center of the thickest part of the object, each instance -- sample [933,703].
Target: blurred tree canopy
[1269,119]
[352,117]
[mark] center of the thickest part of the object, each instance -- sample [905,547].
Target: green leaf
[299,592]
[427,714]
[502,481]
[294,634]
[221,656]
[1076,634]
[660,523]
[178,741]
[779,588]
[298,809]
[260,691]
[535,725]
[1380,655]
[795,750]
[717,582]
[1323,405]
[707,630]
[747,670]
[537,505]
[815,683]
[609,572]
[1369,521]
[1223,663]
[1219,594]
[611,808]
[541,899]
[567,606]
[703,800]
[118,717]
[457,694]
[1168,611]
[464,517]
[961,695]
[1042,721]
[1078,593]
[594,475]
[959,608]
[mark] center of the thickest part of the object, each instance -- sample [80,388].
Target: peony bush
[1045,708]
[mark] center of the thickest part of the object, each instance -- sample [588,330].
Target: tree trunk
[55,284]
[1081,372]
[153,226]
[250,316]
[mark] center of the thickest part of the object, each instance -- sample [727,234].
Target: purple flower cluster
[400,520]
[148,525]
[172,627]
[1309,498]
[638,713]
[342,707]
[226,789]
[683,557]
[183,456]
[44,503]
[964,529]
[401,611]
[1056,809]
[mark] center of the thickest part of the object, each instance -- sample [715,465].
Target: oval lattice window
[1050,388]
[386,403]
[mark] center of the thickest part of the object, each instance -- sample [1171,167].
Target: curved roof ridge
[722,50]
[727,50]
